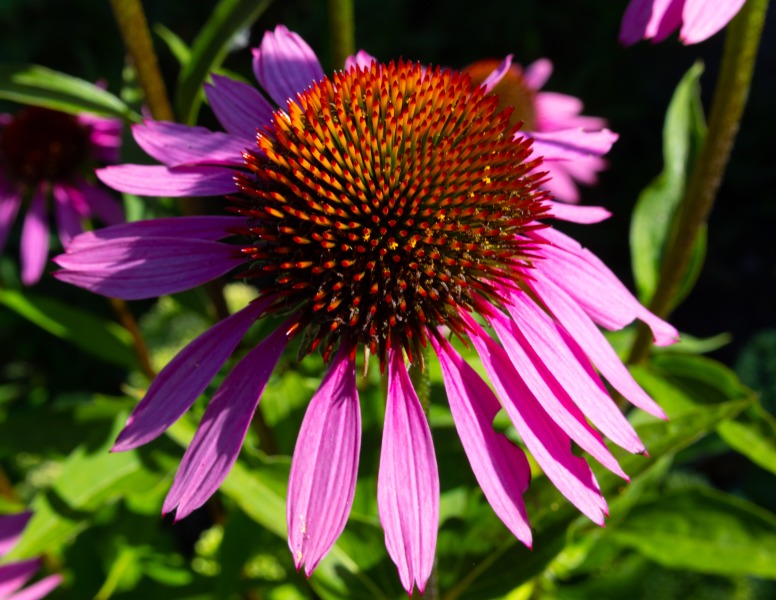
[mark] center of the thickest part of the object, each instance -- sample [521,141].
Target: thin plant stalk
[741,43]
[342,30]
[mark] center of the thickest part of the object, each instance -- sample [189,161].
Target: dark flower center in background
[384,201]
[43,145]
[512,91]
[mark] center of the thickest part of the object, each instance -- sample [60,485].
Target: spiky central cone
[43,145]
[385,200]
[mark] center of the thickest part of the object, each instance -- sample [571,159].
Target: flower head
[657,19]
[46,158]
[380,209]
[571,144]
[14,575]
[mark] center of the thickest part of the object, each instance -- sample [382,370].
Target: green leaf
[176,45]
[98,337]
[683,134]
[753,434]
[210,48]
[703,530]
[39,86]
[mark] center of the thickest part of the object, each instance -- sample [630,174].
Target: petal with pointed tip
[220,435]
[174,144]
[35,239]
[408,480]
[239,107]
[500,467]
[325,465]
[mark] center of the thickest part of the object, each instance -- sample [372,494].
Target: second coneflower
[381,210]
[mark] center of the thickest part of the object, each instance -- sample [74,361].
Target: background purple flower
[14,575]
[46,162]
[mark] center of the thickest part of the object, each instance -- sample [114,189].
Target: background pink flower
[657,19]
[46,163]
[15,574]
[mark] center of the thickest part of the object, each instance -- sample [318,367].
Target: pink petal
[10,200]
[498,73]
[548,444]
[572,144]
[146,267]
[101,203]
[239,107]
[68,219]
[11,528]
[549,393]
[645,19]
[558,182]
[157,180]
[38,590]
[555,349]
[220,435]
[591,284]
[361,59]
[325,465]
[500,467]
[559,111]
[578,214]
[35,239]
[200,228]
[175,145]
[582,329]
[185,377]
[285,65]
[537,73]
[15,575]
[702,18]
[408,480]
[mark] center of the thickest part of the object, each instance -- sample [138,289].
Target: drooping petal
[100,203]
[408,481]
[498,73]
[500,467]
[35,239]
[38,590]
[547,442]
[362,59]
[553,347]
[68,219]
[325,465]
[595,288]
[284,65]
[220,435]
[10,200]
[11,527]
[198,227]
[144,267]
[185,377]
[549,393]
[174,144]
[572,144]
[594,344]
[537,73]
[645,19]
[578,214]
[158,180]
[558,182]
[15,575]
[239,107]
[701,19]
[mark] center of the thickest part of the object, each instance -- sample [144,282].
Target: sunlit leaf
[39,86]
[753,434]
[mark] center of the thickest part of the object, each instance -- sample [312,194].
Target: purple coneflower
[657,19]
[46,160]
[14,575]
[381,209]
[552,120]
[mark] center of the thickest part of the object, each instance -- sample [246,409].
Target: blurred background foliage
[697,521]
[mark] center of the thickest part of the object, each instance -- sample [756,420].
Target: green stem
[137,39]
[343,31]
[127,320]
[741,43]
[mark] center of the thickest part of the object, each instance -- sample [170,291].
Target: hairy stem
[741,43]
